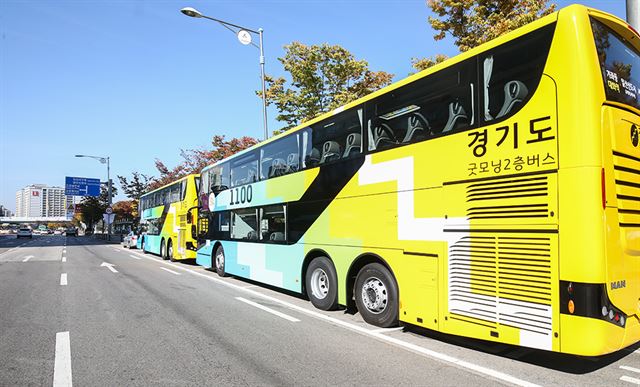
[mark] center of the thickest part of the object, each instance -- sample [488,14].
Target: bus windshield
[620,65]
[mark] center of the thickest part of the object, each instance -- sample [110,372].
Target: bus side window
[273,223]
[438,103]
[511,73]
[244,224]
[331,137]
[279,157]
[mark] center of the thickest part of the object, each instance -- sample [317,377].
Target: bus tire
[163,250]
[219,261]
[377,296]
[321,282]
[170,250]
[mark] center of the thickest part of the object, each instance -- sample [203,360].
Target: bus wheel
[163,250]
[377,296]
[170,251]
[219,262]
[321,282]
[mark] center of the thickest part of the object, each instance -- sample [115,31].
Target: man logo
[635,133]
[618,284]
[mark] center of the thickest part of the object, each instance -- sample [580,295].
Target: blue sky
[137,80]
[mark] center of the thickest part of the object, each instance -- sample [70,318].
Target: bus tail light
[603,189]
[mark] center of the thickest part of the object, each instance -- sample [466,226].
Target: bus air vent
[502,279]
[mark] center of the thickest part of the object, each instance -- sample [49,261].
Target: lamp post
[244,36]
[104,160]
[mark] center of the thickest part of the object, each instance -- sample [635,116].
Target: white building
[40,200]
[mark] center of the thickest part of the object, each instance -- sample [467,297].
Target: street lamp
[104,160]
[244,36]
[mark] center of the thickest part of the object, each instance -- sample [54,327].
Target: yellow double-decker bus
[494,196]
[168,216]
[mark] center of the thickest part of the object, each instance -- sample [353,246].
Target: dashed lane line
[377,335]
[63,279]
[269,310]
[62,365]
[64,259]
[170,271]
[631,380]
[626,368]
[134,257]
[27,258]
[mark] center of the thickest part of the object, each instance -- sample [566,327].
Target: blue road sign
[81,186]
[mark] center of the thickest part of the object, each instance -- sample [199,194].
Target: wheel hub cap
[374,295]
[220,261]
[319,284]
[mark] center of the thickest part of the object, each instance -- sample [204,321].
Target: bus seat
[292,162]
[457,116]
[312,159]
[330,151]
[514,92]
[278,168]
[277,236]
[382,134]
[353,144]
[417,125]
[252,175]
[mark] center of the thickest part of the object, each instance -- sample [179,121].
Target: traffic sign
[108,210]
[81,186]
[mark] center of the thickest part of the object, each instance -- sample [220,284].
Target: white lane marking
[170,271]
[62,365]
[64,259]
[387,330]
[63,279]
[134,257]
[630,369]
[630,380]
[109,266]
[275,312]
[27,258]
[409,346]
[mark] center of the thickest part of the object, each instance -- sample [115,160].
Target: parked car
[25,232]
[130,240]
[71,231]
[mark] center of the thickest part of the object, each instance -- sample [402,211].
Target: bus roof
[571,9]
[173,182]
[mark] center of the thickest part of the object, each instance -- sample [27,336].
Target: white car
[25,232]
[130,240]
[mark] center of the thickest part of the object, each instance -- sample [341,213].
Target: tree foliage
[473,22]
[424,63]
[196,159]
[136,186]
[323,77]
[92,207]
[125,209]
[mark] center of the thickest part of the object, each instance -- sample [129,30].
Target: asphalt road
[75,310]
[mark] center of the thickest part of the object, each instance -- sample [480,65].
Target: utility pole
[633,14]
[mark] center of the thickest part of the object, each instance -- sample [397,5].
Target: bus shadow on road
[571,364]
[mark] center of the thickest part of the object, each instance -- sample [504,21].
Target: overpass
[33,219]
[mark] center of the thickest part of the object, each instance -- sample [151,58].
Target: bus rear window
[620,65]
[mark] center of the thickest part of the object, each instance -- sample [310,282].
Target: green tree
[424,63]
[136,186]
[323,77]
[473,22]
[92,207]
[196,159]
